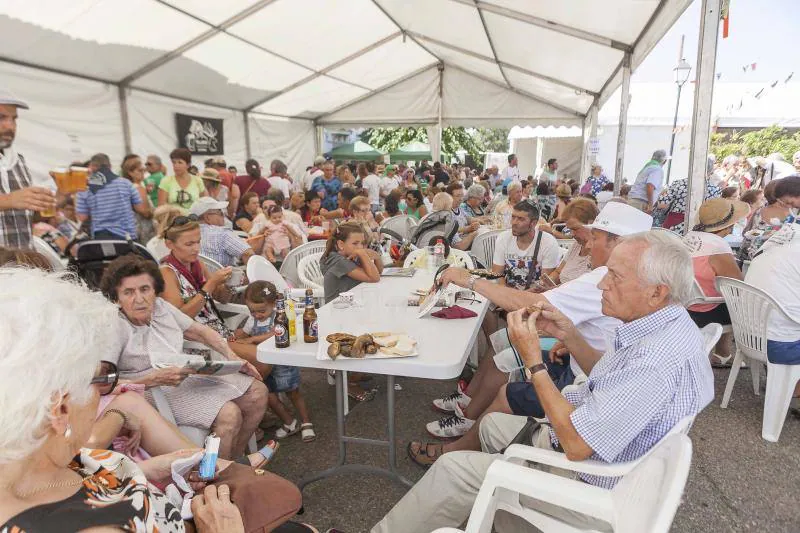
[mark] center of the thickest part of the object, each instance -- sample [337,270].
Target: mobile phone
[208,464]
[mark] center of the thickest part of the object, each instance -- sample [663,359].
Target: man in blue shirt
[109,202]
[327,187]
[649,182]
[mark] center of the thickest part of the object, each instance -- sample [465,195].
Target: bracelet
[204,294]
[120,413]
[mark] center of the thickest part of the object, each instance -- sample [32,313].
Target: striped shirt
[221,245]
[111,208]
[15,224]
[656,374]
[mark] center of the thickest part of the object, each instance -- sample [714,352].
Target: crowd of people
[618,307]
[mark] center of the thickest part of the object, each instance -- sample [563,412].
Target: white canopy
[365,62]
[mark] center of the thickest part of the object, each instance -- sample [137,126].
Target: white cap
[8,98]
[206,203]
[622,219]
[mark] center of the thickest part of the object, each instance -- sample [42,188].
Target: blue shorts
[521,395]
[283,379]
[783,353]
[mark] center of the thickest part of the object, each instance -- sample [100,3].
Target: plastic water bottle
[290,312]
[438,254]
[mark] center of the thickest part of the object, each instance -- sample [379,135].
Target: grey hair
[666,261]
[476,191]
[513,187]
[155,158]
[45,358]
[101,160]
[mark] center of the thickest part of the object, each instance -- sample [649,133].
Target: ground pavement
[738,482]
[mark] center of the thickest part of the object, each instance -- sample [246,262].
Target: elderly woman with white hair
[52,380]
[473,204]
[505,206]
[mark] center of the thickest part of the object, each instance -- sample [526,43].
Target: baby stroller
[93,256]
[437,224]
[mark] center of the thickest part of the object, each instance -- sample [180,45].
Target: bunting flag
[789,77]
[725,15]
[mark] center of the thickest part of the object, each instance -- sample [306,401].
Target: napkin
[454,311]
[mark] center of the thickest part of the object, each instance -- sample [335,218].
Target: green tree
[474,142]
[493,139]
[756,143]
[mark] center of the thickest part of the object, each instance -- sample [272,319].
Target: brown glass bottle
[281,324]
[310,325]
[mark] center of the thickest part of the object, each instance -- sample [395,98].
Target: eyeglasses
[108,378]
[181,221]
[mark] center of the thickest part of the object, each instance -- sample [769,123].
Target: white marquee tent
[108,75]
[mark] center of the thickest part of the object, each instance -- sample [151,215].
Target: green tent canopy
[416,151]
[359,151]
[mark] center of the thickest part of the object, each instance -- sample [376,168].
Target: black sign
[201,135]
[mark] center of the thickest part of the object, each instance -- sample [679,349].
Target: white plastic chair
[259,269]
[483,247]
[289,266]
[461,258]
[211,264]
[310,272]
[232,314]
[157,248]
[401,224]
[41,246]
[564,245]
[645,499]
[750,310]
[699,297]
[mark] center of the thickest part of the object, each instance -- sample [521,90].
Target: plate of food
[485,273]
[376,345]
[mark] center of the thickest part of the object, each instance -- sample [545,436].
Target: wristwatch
[204,294]
[471,284]
[535,369]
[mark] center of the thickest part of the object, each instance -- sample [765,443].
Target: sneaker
[448,402]
[449,427]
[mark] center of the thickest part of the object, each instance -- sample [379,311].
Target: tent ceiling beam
[59,71]
[476,55]
[491,44]
[329,68]
[374,91]
[206,35]
[403,30]
[547,24]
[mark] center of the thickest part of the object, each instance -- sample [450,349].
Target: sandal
[307,432]
[717,361]
[267,453]
[422,454]
[287,430]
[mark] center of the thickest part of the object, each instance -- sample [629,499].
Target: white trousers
[445,494]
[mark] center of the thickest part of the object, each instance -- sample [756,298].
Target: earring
[68,432]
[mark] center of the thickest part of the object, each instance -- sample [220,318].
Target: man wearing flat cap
[18,196]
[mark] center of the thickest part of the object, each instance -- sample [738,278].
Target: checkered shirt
[221,245]
[656,374]
[15,224]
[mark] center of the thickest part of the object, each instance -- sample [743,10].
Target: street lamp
[681,77]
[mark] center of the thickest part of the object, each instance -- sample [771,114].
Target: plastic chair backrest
[749,309]
[41,246]
[647,498]
[483,247]
[289,266]
[711,334]
[210,264]
[157,248]
[259,269]
[400,224]
[310,272]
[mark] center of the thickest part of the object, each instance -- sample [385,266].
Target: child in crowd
[260,298]
[279,235]
[346,262]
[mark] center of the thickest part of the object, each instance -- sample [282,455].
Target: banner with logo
[200,135]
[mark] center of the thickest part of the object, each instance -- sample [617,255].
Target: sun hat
[622,219]
[719,213]
[206,203]
[8,98]
[564,191]
[211,174]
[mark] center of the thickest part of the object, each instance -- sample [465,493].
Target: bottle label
[313,329]
[281,334]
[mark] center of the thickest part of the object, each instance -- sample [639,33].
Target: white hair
[666,261]
[476,191]
[442,202]
[53,333]
[513,187]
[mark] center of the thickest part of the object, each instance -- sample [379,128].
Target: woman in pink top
[711,257]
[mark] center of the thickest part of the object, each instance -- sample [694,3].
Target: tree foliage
[756,143]
[472,141]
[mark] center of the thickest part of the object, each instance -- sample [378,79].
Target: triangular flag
[719,75]
[788,78]
[744,68]
[774,83]
[758,94]
[753,66]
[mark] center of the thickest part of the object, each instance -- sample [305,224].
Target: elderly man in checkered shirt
[18,196]
[654,374]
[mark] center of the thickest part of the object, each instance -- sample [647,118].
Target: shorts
[521,395]
[718,315]
[783,353]
[283,379]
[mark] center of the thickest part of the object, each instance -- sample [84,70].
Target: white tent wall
[568,152]
[291,141]
[69,118]
[525,150]
[153,129]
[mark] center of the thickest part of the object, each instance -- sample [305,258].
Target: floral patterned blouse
[675,197]
[114,493]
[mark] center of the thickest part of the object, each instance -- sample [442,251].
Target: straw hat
[211,174]
[564,191]
[719,213]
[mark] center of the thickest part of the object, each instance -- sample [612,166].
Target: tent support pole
[589,133]
[317,139]
[701,120]
[625,98]
[247,147]
[122,91]
[585,150]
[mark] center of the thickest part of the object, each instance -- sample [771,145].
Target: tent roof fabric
[493,62]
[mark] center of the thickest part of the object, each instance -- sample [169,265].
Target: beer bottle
[281,324]
[310,326]
[292,315]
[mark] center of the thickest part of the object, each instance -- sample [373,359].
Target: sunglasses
[181,221]
[108,378]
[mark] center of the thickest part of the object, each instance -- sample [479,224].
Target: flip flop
[717,361]
[422,455]
[267,452]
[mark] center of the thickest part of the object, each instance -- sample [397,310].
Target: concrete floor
[738,482]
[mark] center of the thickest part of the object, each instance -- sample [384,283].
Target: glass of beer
[47,183]
[61,177]
[78,179]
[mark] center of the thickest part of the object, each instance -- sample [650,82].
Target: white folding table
[443,347]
